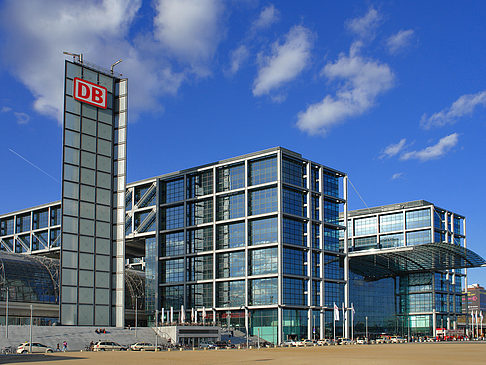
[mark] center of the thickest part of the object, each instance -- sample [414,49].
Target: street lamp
[6,312]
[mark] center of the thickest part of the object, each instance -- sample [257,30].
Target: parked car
[361,341]
[396,339]
[305,343]
[207,345]
[108,346]
[289,343]
[144,346]
[324,342]
[36,348]
[345,341]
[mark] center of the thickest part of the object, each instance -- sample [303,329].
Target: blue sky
[393,93]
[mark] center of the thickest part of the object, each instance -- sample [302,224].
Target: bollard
[168,348]
[181,349]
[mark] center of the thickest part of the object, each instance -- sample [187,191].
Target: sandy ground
[396,354]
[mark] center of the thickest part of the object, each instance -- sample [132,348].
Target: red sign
[90,93]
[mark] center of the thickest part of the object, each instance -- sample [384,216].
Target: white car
[108,346]
[361,341]
[304,343]
[289,343]
[37,348]
[144,346]
[324,342]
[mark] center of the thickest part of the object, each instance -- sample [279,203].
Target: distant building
[476,298]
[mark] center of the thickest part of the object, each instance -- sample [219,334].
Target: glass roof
[383,263]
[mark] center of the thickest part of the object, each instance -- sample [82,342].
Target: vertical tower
[93,197]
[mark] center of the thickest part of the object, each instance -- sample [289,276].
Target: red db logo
[90,93]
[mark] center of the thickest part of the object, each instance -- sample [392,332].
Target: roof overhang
[382,263]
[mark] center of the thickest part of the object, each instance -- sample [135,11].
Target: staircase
[77,338]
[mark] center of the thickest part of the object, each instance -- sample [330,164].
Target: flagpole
[352,322]
[344,322]
[334,327]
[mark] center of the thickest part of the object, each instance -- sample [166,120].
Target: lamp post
[366,318]
[136,315]
[30,340]
[6,314]
[156,328]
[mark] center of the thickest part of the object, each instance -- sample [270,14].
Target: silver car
[144,346]
[37,348]
[108,346]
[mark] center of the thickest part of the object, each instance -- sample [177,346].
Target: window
[200,212]
[391,222]
[294,261]
[365,243]
[316,238]
[230,293]
[331,184]
[263,261]
[200,268]
[418,237]
[331,212]
[230,177]
[333,294]
[294,291]
[315,178]
[262,231]
[230,206]
[200,295]
[331,239]
[316,264]
[294,232]
[172,217]
[172,191]
[23,223]
[365,226]
[293,202]
[172,270]
[293,172]
[263,201]
[333,267]
[316,295]
[391,240]
[172,296]
[418,218]
[230,264]
[173,244]
[315,207]
[230,235]
[200,184]
[263,291]
[200,239]
[263,170]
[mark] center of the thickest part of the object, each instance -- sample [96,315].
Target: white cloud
[190,29]
[365,26]
[399,41]
[463,106]
[435,151]
[362,81]
[22,118]
[238,57]
[268,16]
[36,33]
[6,109]
[286,61]
[394,149]
[397,175]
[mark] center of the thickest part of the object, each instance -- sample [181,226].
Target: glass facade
[93,195]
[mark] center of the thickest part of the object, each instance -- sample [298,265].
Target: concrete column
[346,259]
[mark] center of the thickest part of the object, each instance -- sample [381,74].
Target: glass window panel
[70,241]
[105,131]
[71,155]
[262,231]
[71,138]
[104,147]
[88,143]
[263,261]
[86,227]
[71,190]
[70,207]
[103,229]
[294,261]
[106,82]
[69,259]
[263,170]
[103,196]
[230,264]
[102,246]
[88,159]
[417,218]
[73,70]
[72,121]
[90,76]
[89,126]
[87,176]
[103,180]
[86,244]
[86,261]
[70,224]
[72,105]
[69,277]
[103,213]
[230,235]
[263,201]
[104,164]
[87,193]
[230,177]
[71,172]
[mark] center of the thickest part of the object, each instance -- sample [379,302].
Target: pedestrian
[57,348]
[64,346]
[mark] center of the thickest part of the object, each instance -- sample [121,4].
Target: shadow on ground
[26,358]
